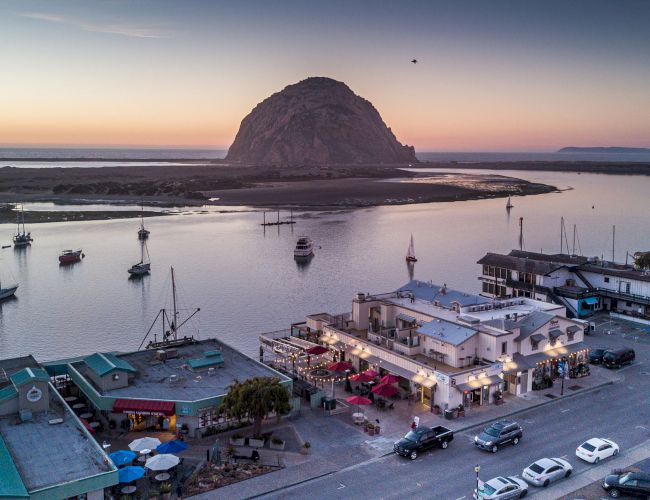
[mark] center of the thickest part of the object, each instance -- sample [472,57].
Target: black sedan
[628,483]
[596,356]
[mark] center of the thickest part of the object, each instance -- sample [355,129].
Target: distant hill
[318,121]
[613,149]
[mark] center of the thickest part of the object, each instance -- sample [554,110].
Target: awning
[591,300]
[573,329]
[477,384]
[425,381]
[537,337]
[144,407]
[521,363]
[406,317]
[555,333]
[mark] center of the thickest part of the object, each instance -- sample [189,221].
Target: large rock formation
[317,121]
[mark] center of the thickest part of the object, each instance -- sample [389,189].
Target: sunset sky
[492,75]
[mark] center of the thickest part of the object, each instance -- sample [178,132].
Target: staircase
[571,312]
[584,280]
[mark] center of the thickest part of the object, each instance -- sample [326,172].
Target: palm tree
[256,398]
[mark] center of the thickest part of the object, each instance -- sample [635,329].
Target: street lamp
[477,469]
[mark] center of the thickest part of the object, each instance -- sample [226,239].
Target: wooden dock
[278,222]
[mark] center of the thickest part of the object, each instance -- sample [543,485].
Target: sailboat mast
[573,251]
[174,303]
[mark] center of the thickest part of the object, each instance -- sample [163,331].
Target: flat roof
[12,365]
[444,295]
[446,331]
[152,377]
[47,455]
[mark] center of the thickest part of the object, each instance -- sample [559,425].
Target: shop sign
[442,378]
[185,410]
[145,412]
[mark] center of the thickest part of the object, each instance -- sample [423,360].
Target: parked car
[628,483]
[596,449]
[423,438]
[498,434]
[596,356]
[501,488]
[546,470]
[618,357]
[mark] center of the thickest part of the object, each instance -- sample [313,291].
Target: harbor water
[244,277]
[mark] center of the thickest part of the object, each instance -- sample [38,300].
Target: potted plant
[256,441]
[436,409]
[371,429]
[377,428]
[166,491]
[153,493]
[276,443]
[305,448]
[461,410]
[237,439]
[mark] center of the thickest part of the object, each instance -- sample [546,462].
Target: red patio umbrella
[385,390]
[317,350]
[361,377]
[389,379]
[87,426]
[339,366]
[359,401]
[372,373]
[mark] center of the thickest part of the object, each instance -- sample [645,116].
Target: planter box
[371,432]
[237,441]
[377,429]
[255,443]
[275,446]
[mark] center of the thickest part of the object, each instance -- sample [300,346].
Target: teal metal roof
[105,363]
[8,393]
[210,358]
[27,375]
[11,484]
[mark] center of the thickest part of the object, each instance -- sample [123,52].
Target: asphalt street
[620,411]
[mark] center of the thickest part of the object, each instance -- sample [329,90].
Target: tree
[256,398]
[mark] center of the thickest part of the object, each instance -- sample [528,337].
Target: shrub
[306,444]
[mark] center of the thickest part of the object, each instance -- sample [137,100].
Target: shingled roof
[531,262]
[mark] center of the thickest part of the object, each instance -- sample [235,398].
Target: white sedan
[501,488]
[546,470]
[597,449]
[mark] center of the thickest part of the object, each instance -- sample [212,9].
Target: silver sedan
[546,470]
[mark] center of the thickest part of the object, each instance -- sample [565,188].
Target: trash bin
[449,414]
[329,403]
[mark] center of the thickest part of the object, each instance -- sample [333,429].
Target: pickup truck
[421,439]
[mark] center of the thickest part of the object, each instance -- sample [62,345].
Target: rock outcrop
[318,121]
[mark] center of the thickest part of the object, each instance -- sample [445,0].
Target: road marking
[565,410]
[419,485]
[641,427]
[341,486]
[461,498]
[564,457]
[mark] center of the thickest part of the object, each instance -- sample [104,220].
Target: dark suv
[498,434]
[628,483]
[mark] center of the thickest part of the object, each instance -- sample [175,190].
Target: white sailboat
[410,253]
[509,204]
[21,238]
[144,266]
[6,292]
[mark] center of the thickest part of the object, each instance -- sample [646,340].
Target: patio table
[86,415]
[70,399]
[127,490]
[163,476]
[358,418]
[79,406]
[94,425]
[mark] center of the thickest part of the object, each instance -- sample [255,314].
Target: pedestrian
[179,491]
[413,425]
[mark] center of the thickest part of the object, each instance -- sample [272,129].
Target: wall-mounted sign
[34,394]
[442,378]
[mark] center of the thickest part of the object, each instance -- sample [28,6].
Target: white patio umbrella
[164,461]
[144,443]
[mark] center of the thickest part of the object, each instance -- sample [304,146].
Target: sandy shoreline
[298,187]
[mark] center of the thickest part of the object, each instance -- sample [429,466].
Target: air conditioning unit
[161,355]
[173,378]
[211,371]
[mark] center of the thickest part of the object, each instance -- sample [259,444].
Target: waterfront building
[449,347]
[178,388]
[45,450]
[582,284]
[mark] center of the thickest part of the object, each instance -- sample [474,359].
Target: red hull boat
[70,256]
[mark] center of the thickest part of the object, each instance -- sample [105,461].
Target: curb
[462,429]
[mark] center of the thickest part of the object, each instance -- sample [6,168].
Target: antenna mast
[613,241]
[174,323]
[521,233]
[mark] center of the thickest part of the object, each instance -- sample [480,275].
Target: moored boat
[5,293]
[21,238]
[144,266]
[410,253]
[509,204]
[304,247]
[70,256]
[143,233]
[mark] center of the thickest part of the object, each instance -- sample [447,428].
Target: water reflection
[302,263]
[410,267]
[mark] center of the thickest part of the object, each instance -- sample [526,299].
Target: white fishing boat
[144,266]
[509,204]
[410,253]
[21,238]
[143,233]
[304,248]
[8,291]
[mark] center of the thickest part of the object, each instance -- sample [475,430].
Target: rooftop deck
[152,379]
[38,449]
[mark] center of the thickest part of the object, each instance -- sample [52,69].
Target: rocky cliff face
[317,121]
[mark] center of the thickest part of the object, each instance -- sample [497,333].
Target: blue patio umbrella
[130,473]
[122,457]
[173,446]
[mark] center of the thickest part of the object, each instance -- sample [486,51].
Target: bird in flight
[414,61]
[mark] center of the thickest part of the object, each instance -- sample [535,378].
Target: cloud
[120,29]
